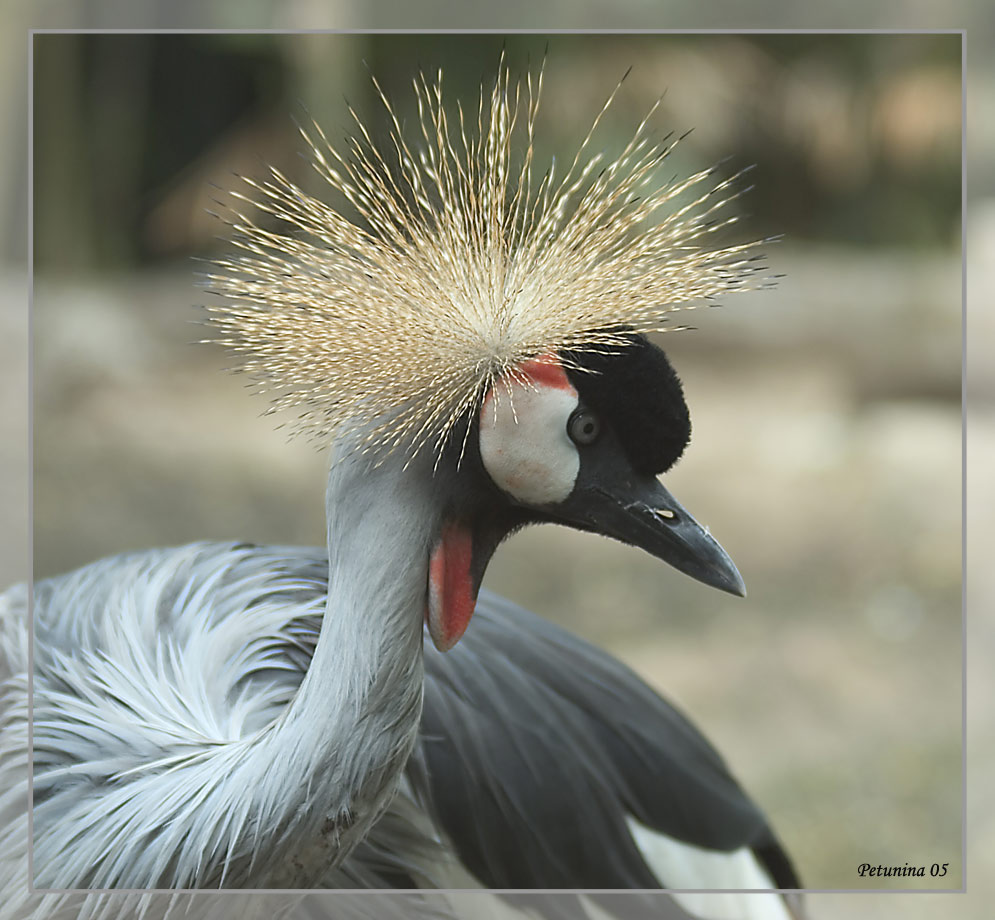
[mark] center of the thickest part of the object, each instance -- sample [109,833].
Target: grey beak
[643,513]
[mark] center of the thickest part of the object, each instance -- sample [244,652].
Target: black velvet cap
[635,390]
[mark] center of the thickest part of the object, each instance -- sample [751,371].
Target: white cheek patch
[523,434]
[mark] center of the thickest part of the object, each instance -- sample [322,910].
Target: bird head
[462,308]
[573,439]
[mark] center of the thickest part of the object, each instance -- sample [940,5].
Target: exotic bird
[472,343]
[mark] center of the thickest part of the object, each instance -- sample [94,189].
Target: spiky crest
[457,268]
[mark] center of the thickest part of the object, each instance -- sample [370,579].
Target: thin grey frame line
[497,31]
[31,463]
[489,31]
[426,892]
[963,453]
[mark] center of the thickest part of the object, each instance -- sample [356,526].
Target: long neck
[380,524]
[349,730]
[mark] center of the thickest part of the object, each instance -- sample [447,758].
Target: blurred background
[827,448]
[826,454]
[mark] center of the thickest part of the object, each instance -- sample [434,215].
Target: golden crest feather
[457,266]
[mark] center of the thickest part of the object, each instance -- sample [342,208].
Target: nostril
[664,514]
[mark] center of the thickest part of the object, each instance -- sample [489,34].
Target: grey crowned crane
[472,343]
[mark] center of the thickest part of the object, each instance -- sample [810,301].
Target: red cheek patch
[451,593]
[547,371]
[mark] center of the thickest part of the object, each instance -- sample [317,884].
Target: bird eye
[583,427]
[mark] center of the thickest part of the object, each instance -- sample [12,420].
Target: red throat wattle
[452,595]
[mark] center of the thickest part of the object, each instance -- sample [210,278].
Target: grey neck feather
[350,728]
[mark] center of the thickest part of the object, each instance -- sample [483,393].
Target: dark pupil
[584,427]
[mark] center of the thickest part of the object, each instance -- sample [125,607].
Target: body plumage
[224,715]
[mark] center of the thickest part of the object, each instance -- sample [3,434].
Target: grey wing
[545,763]
[542,754]
[145,655]
[140,661]
[525,726]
